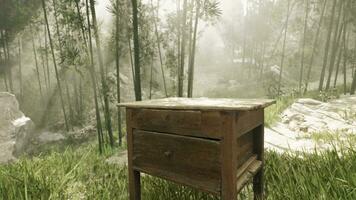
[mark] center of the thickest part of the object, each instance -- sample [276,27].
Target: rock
[308,116]
[15,128]
[24,135]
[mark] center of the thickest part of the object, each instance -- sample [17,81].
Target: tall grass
[84,174]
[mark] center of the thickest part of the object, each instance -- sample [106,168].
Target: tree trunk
[159,47]
[20,70]
[93,82]
[151,78]
[36,65]
[43,62]
[5,60]
[353,85]
[182,50]
[327,45]
[66,91]
[80,17]
[263,61]
[303,45]
[342,49]
[346,39]
[335,45]
[9,70]
[283,50]
[102,74]
[71,113]
[179,35]
[118,54]
[315,45]
[47,61]
[138,93]
[55,64]
[132,63]
[280,35]
[192,58]
[190,44]
[339,57]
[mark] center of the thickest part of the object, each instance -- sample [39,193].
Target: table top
[201,104]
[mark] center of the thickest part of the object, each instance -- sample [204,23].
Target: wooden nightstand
[214,145]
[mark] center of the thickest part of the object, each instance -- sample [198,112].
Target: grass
[272,113]
[83,174]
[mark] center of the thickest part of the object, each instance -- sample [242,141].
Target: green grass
[272,112]
[83,174]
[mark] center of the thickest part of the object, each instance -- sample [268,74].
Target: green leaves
[211,10]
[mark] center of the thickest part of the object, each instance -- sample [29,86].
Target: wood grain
[245,148]
[204,124]
[248,120]
[229,161]
[190,161]
[253,168]
[134,175]
[219,104]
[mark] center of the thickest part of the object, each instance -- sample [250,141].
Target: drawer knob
[168,154]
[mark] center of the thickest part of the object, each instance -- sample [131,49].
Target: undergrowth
[84,174]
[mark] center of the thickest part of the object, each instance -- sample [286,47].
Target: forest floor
[81,173]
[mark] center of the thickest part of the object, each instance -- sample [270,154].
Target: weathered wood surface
[201,104]
[246,177]
[229,154]
[245,148]
[187,160]
[204,124]
[134,175]
[214,145]
[248,120]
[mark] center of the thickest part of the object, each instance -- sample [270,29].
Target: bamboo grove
[69,70]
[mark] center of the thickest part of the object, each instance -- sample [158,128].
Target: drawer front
[204,124]
[190,161]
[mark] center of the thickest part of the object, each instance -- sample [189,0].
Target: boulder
[15,128]
[306,117]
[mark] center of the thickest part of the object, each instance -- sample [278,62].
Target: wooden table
[213,145]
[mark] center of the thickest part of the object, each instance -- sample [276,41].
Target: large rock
[306,117]
[15,128]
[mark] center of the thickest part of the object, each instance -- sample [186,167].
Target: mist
[85,85]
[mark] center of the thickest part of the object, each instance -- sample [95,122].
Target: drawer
[190,161]
[204,124]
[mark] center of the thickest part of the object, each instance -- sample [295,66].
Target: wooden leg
[134,176]
[134,185]
[258,185]
[229,161]
[259,149]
